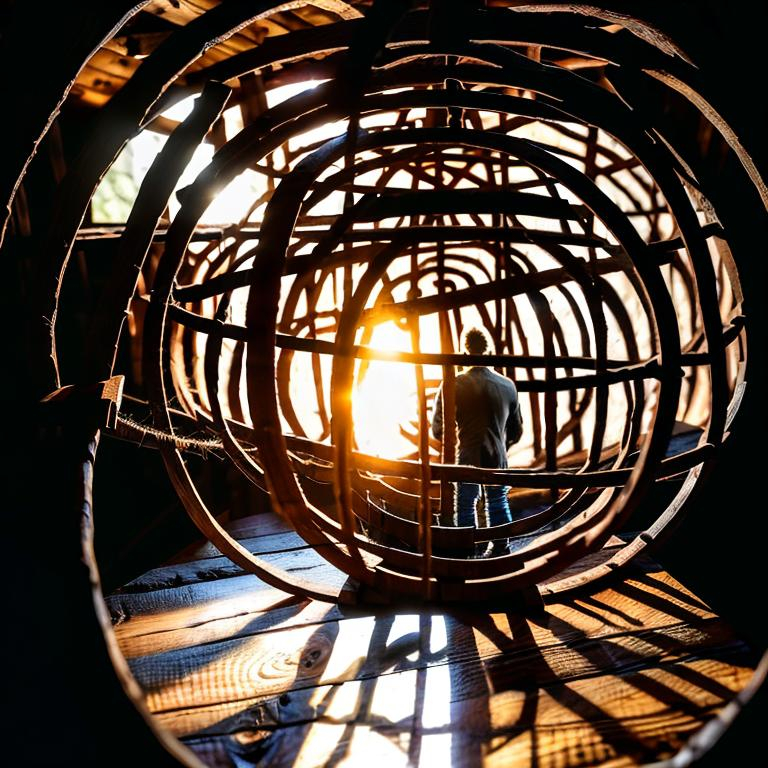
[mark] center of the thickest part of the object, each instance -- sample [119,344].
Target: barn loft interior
[385,383]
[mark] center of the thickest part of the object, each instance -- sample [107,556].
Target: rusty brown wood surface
[246,674]
[537,128]
[333,529]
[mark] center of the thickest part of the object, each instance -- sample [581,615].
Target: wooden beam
[136,239]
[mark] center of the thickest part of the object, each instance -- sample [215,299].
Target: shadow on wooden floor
[246,675]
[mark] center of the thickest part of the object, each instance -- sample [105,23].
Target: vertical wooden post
[449,420]
[425,504]
[599,323]
[546,322]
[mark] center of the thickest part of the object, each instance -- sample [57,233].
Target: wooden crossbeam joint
[91,405]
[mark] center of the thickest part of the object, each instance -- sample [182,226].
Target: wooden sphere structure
[413,171]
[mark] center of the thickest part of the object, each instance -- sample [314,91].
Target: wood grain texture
[160,611]
[204,639]
[626,725]
[246,674]
[339,651]
[251,527]
[299,558]
[473,669]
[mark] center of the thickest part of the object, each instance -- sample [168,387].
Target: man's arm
[514,427]
[437,415]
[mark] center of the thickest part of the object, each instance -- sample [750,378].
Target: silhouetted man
[488,421]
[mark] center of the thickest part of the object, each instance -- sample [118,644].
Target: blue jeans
[497,505]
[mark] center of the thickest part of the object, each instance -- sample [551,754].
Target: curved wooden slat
[378,55]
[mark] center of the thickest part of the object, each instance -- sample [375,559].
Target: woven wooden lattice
[450,165]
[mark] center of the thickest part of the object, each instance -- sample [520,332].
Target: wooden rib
[628,372]
[544,315]
[448,449]
[667,410]
[510,286]
[118,121]
[425,507]
[81,446]
[196,508]
[490,25]
[341,383]
[137,236]
[435,234]
[564,173]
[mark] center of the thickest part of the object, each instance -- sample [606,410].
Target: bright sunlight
[385,397]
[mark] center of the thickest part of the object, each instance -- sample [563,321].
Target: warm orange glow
[384,394]
[385,397]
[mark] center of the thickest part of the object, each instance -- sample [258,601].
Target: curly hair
[475,341]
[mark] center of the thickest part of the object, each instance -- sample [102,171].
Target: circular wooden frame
[408,62]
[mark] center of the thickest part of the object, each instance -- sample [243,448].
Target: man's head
[475,341]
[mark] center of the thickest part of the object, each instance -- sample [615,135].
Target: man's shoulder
[480,373]
[468,374]
[502,381]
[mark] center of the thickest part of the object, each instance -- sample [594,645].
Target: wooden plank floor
[247,675]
